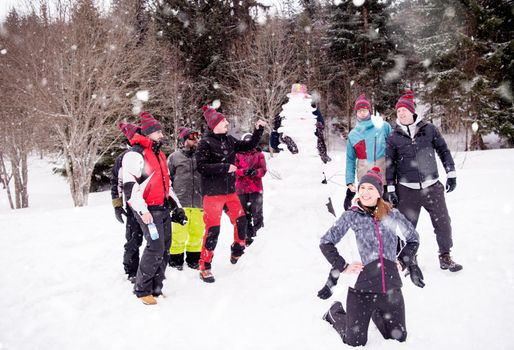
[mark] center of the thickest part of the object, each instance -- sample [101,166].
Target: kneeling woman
[376,294]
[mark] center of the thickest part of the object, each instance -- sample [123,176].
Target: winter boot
[446,263]
[192,260]
[336,307]
[206,276]
[148,300]
[132,278]
[237,251]
[177,261]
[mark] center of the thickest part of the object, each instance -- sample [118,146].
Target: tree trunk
[5,180]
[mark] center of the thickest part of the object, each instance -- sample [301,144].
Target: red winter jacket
[244,161]
[157,189]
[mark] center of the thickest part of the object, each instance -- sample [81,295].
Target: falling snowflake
[358,3]
[3,51]
[215,86]
[74,47]
[338,2]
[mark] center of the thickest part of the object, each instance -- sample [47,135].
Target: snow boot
[206,276]
[192,259]
[336,307]
[176,261]
[237,251]
[148,300]
[193,265]
[446,263]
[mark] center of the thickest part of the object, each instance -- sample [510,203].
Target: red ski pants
[212,210]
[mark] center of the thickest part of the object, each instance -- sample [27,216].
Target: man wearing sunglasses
[187,239]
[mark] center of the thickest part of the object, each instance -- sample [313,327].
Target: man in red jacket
[215,159]
[251,168]
[146,185]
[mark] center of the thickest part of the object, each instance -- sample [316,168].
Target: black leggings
[387,310]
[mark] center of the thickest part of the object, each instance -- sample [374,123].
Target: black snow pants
[387,310]
[152,267]
[411,201]
[252,205]
[134,237]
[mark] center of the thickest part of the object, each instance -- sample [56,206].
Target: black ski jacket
[214,155]
[412,160]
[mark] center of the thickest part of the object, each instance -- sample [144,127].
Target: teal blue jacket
[365,149]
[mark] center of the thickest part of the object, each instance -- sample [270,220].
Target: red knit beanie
[128,129]
[407,101]
[149,124]
[212,117]
[362,102]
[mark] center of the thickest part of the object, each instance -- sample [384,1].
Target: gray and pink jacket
[376,242]
[250,160]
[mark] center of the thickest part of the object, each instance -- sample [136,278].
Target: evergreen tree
[363,54]
[206,32]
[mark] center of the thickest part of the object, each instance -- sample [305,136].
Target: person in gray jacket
[376,293]
[412,176]
[185,180]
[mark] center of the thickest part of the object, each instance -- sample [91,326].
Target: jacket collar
[141,140]
[410,130]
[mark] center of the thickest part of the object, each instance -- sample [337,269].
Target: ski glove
[250,172]
[451,183]
[118,212]
[179,216]
[326,291]
[416,276]
[392,198]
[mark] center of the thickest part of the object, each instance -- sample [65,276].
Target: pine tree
[363,54]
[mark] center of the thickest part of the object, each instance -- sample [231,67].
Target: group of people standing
[406,155]
[395,170]
[185,194]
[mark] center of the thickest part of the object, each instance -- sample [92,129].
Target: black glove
[451,183]
[250,172]
[348,199]
[179,216]
[416,276]
[392,198]
[326,291]
[118,212]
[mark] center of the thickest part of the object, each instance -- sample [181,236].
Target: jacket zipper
[381,256]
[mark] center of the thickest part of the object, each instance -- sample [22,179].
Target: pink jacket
[250,160]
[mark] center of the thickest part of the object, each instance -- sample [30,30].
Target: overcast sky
[5,6]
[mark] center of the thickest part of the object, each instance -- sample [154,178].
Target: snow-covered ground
[62,284]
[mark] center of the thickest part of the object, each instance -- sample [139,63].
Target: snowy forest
[70,70]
